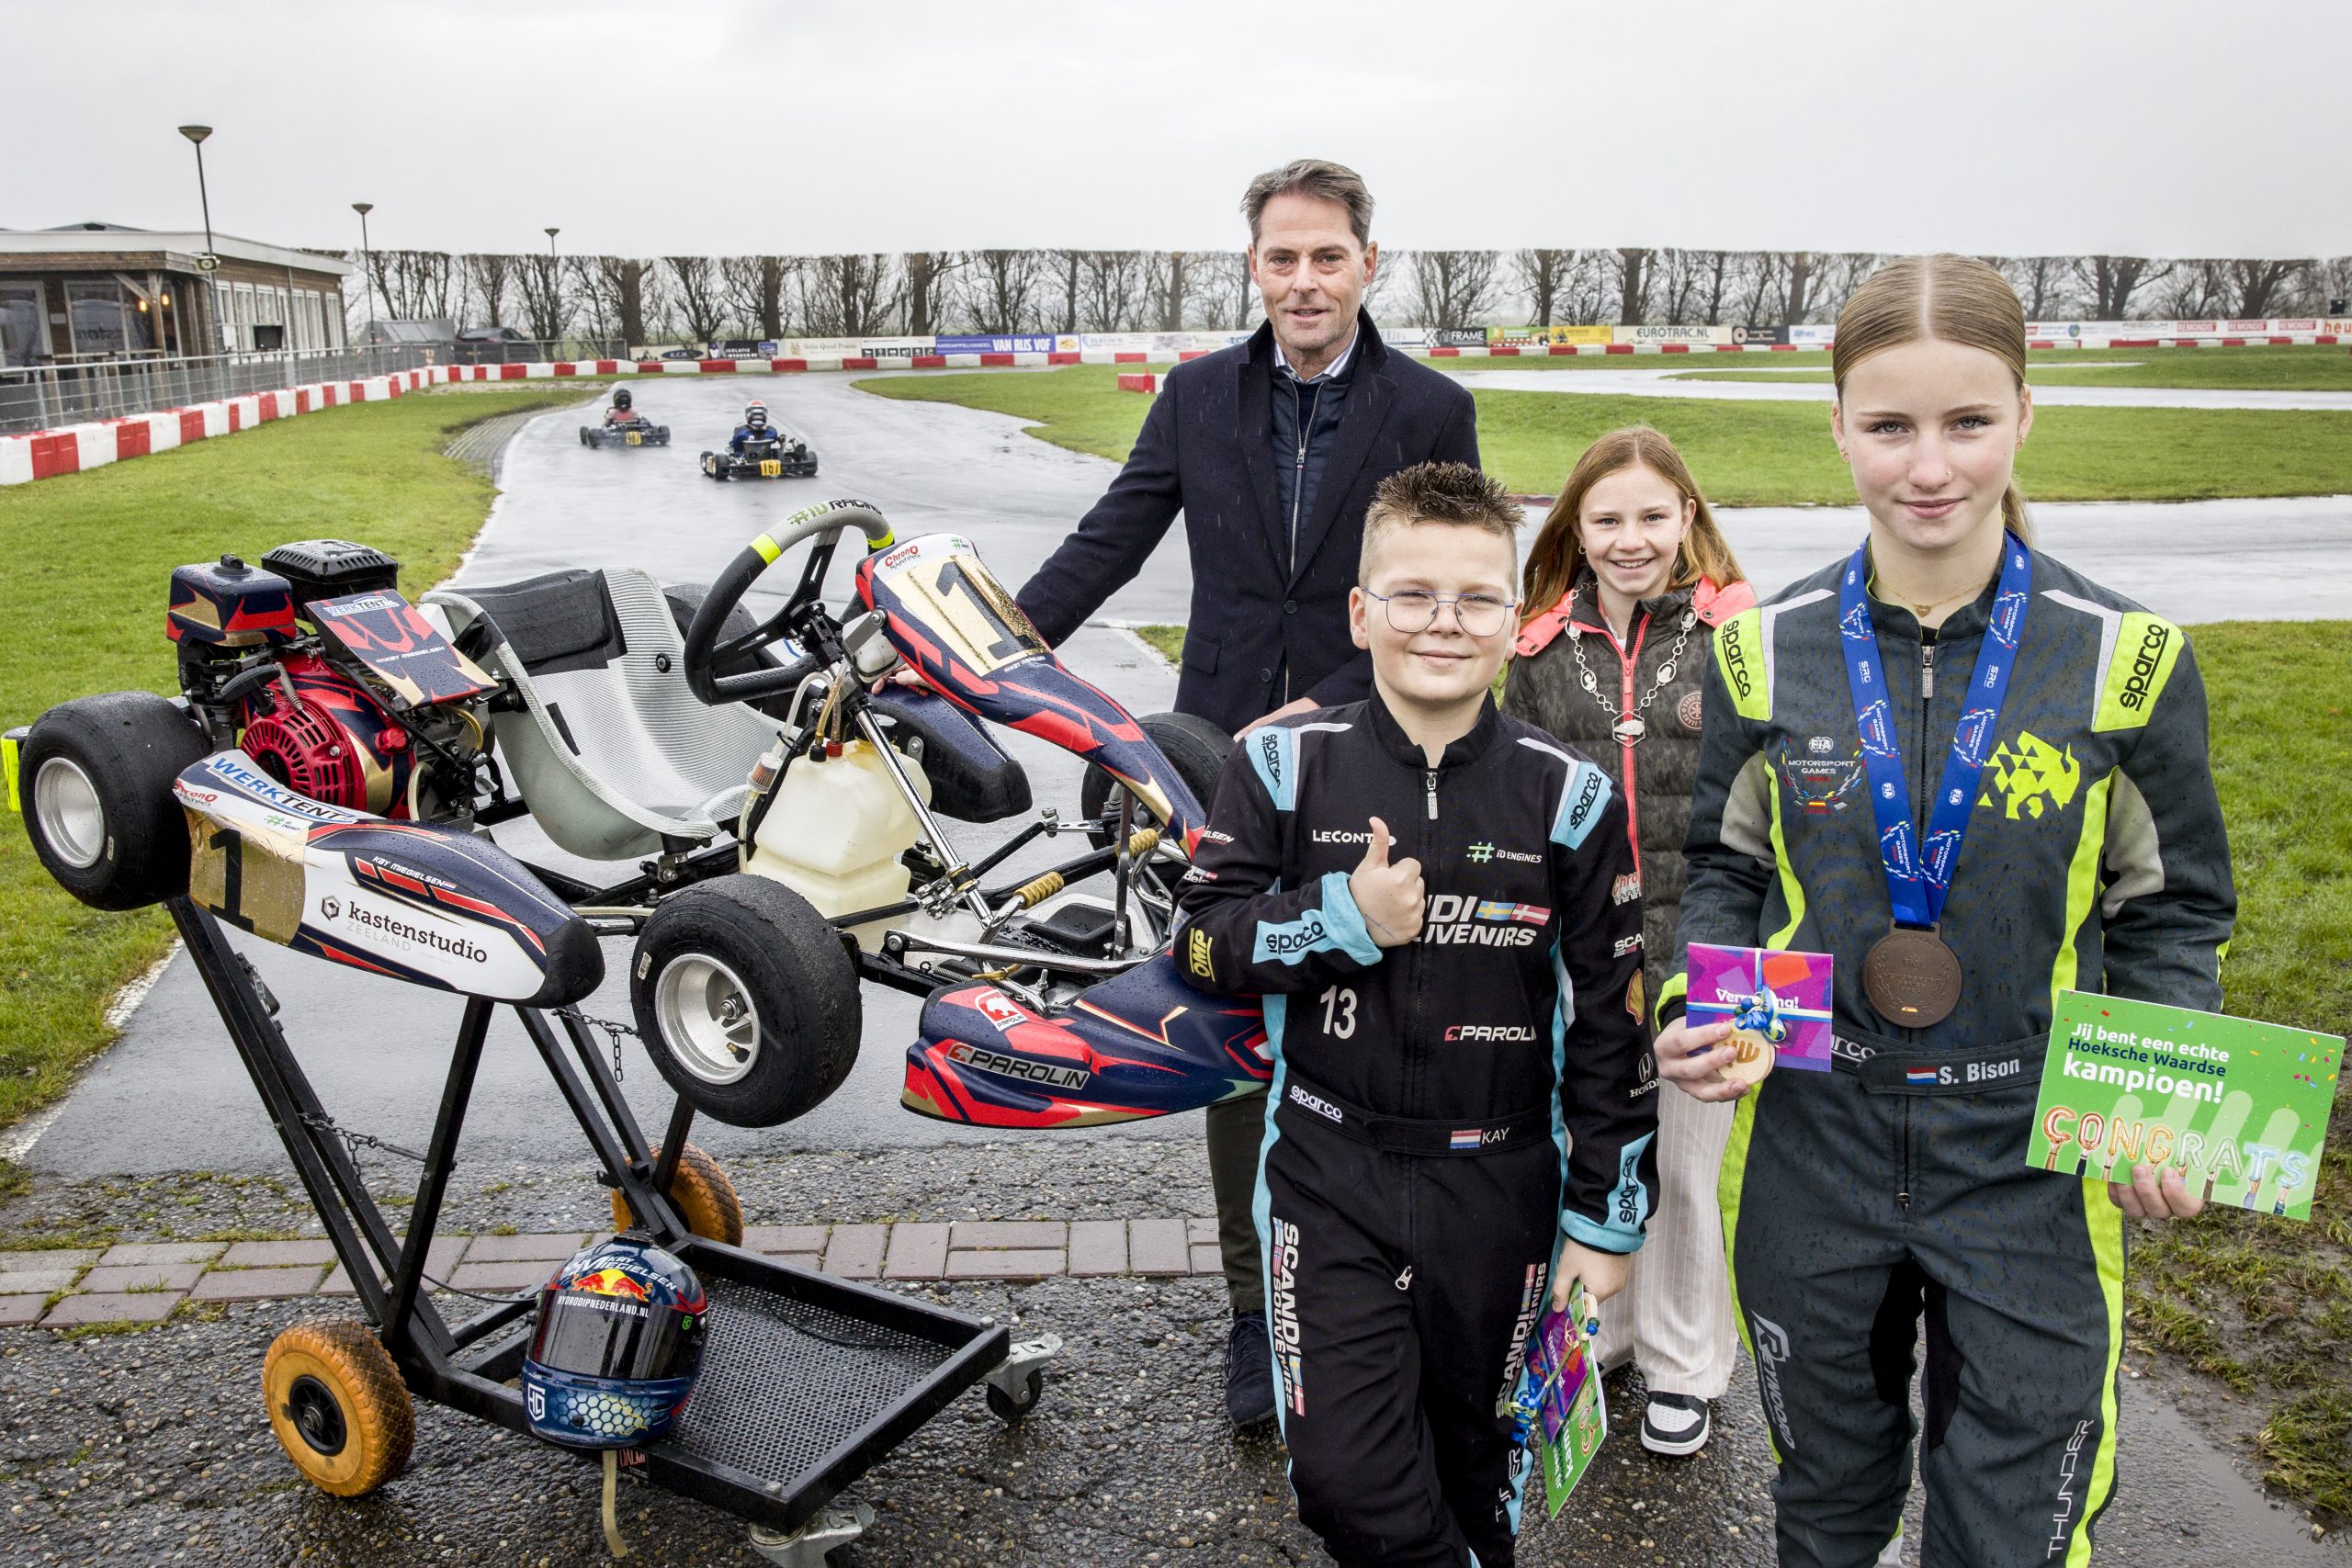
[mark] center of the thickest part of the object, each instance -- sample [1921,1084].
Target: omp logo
[1196,952]
[1496,1032]
[979,1058]
[1307,1100]
[1771,1342]
[2146,661]
[2032,777]
[2062,1520]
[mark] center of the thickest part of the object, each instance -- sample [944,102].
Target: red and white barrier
[1142,381]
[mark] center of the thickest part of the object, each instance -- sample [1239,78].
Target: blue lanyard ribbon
[1918,882]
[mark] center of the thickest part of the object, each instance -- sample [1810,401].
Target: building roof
[178,248]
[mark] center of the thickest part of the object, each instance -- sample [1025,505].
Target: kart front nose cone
[67,803]
[706,1017]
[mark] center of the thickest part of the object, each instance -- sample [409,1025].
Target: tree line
[650,299]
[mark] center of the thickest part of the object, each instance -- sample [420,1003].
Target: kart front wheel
[746,999]
[96,779]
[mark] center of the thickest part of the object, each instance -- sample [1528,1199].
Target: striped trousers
[1674,1315]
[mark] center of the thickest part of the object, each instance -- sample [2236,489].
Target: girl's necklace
[1628,726]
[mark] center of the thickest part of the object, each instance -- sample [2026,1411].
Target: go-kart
[776,456]
[329,776]
[635,431]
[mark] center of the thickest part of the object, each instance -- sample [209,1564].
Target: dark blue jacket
[744,432]
[1259,634]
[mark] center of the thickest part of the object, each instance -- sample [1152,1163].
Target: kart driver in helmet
[755,427]
[623,410]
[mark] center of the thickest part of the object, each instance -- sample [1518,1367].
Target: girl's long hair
[1558,557]
[1954,298]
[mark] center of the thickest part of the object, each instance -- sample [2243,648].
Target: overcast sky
[2159,127]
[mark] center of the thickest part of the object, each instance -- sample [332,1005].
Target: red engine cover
[331,743]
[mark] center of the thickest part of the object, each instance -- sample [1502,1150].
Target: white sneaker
[1675,1424]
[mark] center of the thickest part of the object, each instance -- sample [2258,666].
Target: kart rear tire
[338,1407]
[96,777]
[747,1000]
[1193,747]
[701,1193]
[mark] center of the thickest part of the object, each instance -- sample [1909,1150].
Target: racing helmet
[755,414]
[615,1345]
[621,398]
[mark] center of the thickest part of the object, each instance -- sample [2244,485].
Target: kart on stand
[636,432]
[327,781]
[778,457]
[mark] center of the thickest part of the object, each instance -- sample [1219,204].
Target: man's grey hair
[1317,177]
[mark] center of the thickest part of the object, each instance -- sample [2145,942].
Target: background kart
[337,753]
[781,456]
[637,432]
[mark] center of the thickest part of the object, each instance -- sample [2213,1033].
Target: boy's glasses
[1415,610]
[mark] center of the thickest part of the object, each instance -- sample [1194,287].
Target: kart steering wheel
[707,650]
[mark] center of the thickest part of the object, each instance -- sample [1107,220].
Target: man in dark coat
[1271,451]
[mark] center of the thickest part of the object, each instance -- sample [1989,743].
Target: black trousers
[1401,1290]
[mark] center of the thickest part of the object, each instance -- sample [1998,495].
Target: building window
[106,318]
[24,336]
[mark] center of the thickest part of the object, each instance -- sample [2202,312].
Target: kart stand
[806,1380]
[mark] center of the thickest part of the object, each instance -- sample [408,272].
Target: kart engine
[335,687]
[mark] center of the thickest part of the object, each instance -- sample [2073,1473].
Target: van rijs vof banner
[2239,1107]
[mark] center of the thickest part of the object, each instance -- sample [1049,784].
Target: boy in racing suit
[1462,1089]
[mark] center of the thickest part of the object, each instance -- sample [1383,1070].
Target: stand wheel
[1008,1409]
[338,1407]
[703,1196]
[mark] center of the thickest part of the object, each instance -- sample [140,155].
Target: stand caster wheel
[813,1544]
[703,1196]
[338,1407]
[1014,1386]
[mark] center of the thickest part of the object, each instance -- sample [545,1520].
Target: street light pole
[555,289]
[195,134]
[367,277]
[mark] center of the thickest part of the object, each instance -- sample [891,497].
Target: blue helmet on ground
[615,1347]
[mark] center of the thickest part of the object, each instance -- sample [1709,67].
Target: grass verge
[2262,1303]
[82,599]
[2305,368]
[1762,454]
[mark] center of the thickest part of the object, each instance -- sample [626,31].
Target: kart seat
[614,753]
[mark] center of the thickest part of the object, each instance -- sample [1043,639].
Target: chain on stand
[613,1032]
[354,1142]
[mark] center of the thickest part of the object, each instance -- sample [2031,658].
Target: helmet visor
[614,1336]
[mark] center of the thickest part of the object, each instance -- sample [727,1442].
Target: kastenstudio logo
[399,930]
[330,907]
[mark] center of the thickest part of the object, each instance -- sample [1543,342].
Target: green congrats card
[2239,1107]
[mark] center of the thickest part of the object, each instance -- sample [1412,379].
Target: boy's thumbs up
[1387,894]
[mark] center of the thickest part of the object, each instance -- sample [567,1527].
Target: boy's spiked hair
[1453,493]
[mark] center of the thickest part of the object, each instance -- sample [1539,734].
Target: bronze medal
[1753,1057]
[1912,978]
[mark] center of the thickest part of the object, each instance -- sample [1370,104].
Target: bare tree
[2041,284]
[1454,288]
[1540,276]
[848,296]
[1720,275]
[755,291]
[702,299]
[545,305]
[615,288]
[1796,287]
[1836,276]
[928,275]
[1679,285]
[2112,280]
[2260,282]
[1113,282]
[1220,295]
[1170,276]
[1064,269]
[997,288]
[1633,286]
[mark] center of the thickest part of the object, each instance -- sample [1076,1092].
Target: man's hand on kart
[1288,710]
[1693,1060]
[1603,1273]
[2148,1196]
[1389,897]
[905,675]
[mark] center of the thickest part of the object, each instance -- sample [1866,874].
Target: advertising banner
[1457,337]
[1653,336]
[2337,326]
[1816,337]
[1410,339]
[821,347]
[742,348]
[2239,1107]
[896,347]
[1002,343]
[1546,336]
[1760,335]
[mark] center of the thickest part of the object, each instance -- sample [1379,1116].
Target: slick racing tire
[701,1193]
[337,1406]
[95,776]
[746,999]
[1193,747]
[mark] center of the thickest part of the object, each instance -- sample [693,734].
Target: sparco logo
[1270,752]
[1585,798]
[1314,1102]
[1295,938]
[1494,1031]
[1772,1343]
[400,931]
[1735,665]
[2143,666]
[2061,1522]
